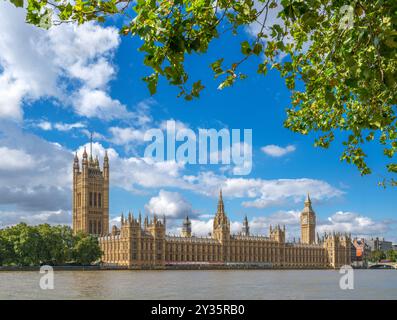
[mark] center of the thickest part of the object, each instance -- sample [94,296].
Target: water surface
[220,284]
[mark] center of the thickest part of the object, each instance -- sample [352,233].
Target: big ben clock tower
[308,223]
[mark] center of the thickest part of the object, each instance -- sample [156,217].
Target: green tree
[3,249]
[55,244]
[377,255]
[86,249]
[338,58]
[24,245]
[391,255]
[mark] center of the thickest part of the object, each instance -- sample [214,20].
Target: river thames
[247,284]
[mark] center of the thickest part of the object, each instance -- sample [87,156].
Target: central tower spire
[91,159]
[221,206]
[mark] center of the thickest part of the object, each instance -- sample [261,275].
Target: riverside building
[143,243]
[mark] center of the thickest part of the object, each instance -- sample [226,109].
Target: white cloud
[354,223]
[277,151]
[124,136]
[136,174]
[15,159]
[9,218]
[97,103]
[170,204]
[68,126]
[60,126]
[35,175]
[44,125]
[202,228]
[35,64]
[263,193]
[143,121]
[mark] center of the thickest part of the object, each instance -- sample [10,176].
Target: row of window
[95,227]
[95,199]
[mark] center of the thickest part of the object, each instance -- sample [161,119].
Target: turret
[186,228]
[96,162]
[84,161]
[106,166]
[277,234]
[76,166]
[246,229]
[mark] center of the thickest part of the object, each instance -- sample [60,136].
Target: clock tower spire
[308,223]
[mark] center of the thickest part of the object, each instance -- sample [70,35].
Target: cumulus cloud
[170,204]
[355,223]
[263,193]
[134,173]
[125,136]
[68,63]
[277,151]
[9,218]
[97,103]
[16,159]
[36,174]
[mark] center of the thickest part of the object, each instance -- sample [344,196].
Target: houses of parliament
[144,243]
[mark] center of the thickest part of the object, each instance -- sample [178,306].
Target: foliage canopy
[343,52]
[24,245]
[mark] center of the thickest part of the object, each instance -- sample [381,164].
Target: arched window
[94,199]
[90,228]
[99,227]
[99,200]
[90,199]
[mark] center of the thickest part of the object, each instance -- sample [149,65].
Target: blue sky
[57,86]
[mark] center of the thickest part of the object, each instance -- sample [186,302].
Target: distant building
[379,244]
[361,249]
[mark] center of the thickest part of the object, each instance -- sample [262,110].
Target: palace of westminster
[144,243]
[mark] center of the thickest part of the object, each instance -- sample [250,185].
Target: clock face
[304,220]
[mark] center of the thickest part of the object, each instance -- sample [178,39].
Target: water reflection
[248,284]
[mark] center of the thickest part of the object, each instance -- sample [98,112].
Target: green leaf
[245,48]
[17,3]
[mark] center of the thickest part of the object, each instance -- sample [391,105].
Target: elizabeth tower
[308,223]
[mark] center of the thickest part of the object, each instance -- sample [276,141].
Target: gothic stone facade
[90,195]
[145,244]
